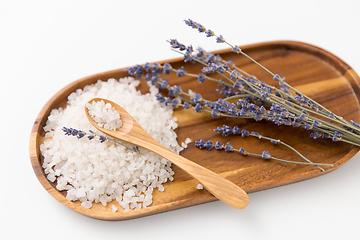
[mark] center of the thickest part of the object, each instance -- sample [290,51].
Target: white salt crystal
[184,145]
[161,188]
[113,208]
[147,200]
[86,204]
[138,206]
[187,140]
[80,193]
[199,186]
[51,177]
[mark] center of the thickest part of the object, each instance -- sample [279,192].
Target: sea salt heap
[104,115]
[95,172]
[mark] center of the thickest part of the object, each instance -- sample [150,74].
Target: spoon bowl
[132,132]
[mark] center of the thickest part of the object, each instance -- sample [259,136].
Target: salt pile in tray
[91,171]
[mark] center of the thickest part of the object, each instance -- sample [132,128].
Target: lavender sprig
[220,39]
[227,130]
[281,112]
[245,95]
[91,135]
[209,145]
[301,106]
[349,132]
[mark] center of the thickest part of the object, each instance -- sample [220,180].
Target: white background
[45,45]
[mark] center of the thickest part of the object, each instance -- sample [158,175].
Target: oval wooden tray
[312,70]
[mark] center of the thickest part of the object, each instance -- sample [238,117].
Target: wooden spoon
[132,132]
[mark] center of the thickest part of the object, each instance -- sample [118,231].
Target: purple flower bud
[196,99]
[198,108]
[180,72]
[277,78]
[244,133]
[218,145]
[174,91]
[166,68]
[227,130]
[236,49]
[215,113]
[136,71]
[200,144]
[189,22]
[147,67]
[167,101]
[234,74]
[163,84]
[175,44]
[219,130]
[220,39]
[315,134]
[153,80]
[160,97]
[316,123]
[102,138]
[210,58]
[201,78]
[242,151]
[209,69]
[148,77]
[186,105]
[209,33]
[266,155]
[236,130]
[81,134]
[209,145]
[200,28]
[325,135]
[308,126]
[174,102]
[228,148]
[136,149]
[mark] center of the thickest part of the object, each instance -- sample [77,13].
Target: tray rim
[34,151]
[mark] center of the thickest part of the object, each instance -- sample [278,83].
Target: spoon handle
[220,187]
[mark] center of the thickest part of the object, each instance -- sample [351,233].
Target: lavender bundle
[245,96]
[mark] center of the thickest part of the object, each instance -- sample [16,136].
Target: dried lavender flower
[180,72]
[201,78]
[227,130]
[167,68]
[186,105]
[202,144]
[253,98]
[91,135]
[198,108]
[266,155]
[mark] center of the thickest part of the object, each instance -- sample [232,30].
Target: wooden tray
[310,69]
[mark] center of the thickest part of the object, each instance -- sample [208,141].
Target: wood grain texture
[310,69]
